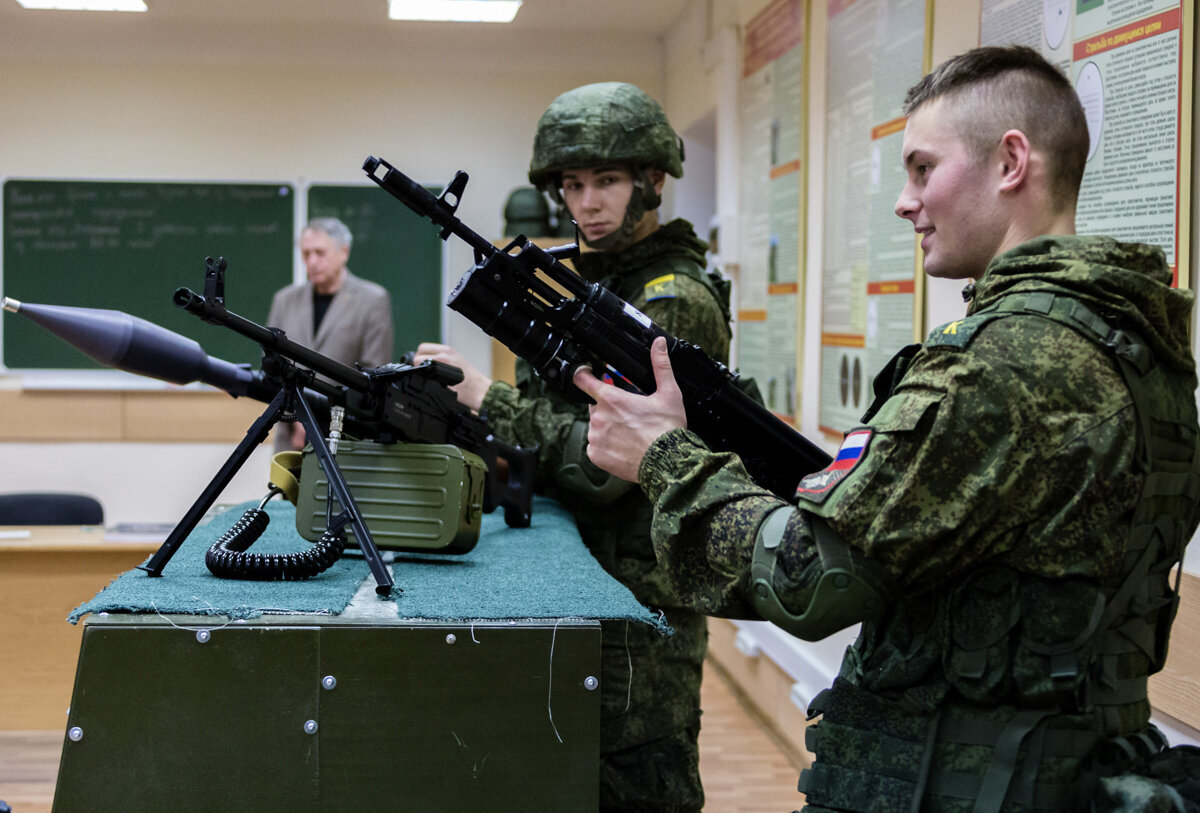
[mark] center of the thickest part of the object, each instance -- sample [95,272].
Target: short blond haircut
[992,90]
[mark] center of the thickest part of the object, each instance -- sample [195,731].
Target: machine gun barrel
[516,295]
[212,309]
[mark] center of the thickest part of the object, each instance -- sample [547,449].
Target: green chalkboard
[128,246]
[395,248]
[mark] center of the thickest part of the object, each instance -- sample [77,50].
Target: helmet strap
[552,186]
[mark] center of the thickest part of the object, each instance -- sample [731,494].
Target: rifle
[516,295]
[388,403]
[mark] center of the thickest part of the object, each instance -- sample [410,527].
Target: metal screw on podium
[329,682]
[203,635]
[75,734]
[450,639]
[590,683]
[310,727]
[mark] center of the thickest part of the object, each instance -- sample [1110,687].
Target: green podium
[476,687]
[302,713]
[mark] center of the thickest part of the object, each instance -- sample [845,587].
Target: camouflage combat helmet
[606,123]
[602,123]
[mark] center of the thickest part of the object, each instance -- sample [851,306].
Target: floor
[742,767]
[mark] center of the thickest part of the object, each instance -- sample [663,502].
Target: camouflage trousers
[650,715]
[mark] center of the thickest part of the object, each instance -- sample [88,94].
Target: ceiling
[337,30]
[627,16]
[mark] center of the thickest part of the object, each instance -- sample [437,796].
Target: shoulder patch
[817,486]
[960,332]
[660,288]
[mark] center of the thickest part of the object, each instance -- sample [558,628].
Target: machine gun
[548,315]
[388,403]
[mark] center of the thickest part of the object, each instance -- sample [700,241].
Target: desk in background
[42,579]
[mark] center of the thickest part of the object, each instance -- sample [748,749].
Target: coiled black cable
[228,559]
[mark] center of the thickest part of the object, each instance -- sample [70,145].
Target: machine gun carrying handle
[214,281]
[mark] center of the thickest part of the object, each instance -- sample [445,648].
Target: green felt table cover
[543,571]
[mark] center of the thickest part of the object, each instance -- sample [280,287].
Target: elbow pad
[849,589]
[581,477]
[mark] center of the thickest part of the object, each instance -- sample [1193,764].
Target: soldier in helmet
[1005,520]
[605,151]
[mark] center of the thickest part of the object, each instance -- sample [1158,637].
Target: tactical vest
[628,286]
[1084,709]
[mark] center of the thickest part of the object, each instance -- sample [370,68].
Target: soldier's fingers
[586,380]
[660,362]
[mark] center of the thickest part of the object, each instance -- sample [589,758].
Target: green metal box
[413,496]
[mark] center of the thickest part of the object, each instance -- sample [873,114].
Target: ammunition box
[413,496]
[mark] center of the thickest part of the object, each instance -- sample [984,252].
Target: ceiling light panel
[457,11]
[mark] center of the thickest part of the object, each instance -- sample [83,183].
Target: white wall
[695,194]
[292,106]
[277,110]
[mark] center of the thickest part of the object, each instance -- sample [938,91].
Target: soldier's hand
[474,386]
[623,424]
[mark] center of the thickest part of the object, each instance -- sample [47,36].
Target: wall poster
[1131,62]
[772,106]
[871,301]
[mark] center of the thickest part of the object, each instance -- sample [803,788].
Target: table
[43,577]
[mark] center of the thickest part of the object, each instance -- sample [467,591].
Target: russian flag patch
[815,487]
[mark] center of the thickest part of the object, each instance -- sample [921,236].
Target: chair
[46,508]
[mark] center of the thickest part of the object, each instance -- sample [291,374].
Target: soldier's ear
[1012,159]
[658,178]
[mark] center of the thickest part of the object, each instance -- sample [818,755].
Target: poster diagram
[876,52]
[772,117]
[1130,61]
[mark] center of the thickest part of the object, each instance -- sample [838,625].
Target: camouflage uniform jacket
[999,487]
[663,277]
